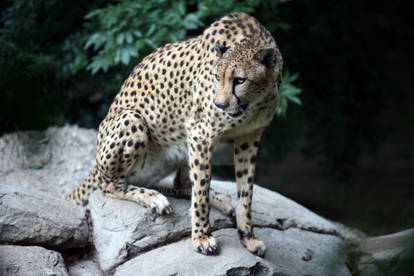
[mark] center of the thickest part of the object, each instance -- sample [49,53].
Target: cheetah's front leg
[200,152]
[245,153]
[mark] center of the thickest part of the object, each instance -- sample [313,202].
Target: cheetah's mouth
[241,108]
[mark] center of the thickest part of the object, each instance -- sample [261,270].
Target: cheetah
[174,109]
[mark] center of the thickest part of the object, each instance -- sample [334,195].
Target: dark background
[346,152]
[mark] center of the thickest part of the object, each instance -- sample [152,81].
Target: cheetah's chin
[242,107]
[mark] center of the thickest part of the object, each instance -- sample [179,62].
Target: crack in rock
[257,269]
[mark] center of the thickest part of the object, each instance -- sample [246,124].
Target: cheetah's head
[244,75]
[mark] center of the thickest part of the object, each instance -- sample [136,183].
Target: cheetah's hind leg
[123,143]
[120,153]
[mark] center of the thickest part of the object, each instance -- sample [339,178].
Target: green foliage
[75,58]
[133,28]
[26,82]
[288,92]
[35,167]
[115,37]
[32,84]
[129,30]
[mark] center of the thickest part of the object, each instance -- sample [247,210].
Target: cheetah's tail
[81,194]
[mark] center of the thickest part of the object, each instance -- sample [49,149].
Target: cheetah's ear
[220,49]
[266,56]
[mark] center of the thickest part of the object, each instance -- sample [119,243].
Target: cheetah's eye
[217,77]
[238,81]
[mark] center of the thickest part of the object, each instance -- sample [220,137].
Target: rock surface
[32,217]
[38,169]
[290,252]
[87,267]
[386,255]
[118,235]
[30,260]
[53,161]
[308,252]
[271,209]
[233,257]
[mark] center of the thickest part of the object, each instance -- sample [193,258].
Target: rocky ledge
[41,234]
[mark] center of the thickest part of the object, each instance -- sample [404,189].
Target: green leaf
[93,14]
[96,39]
[296,100]
[132,51]
[288,93]
[35,167]
[181,7]
[125,57]
[128,37]
[160,35]
[117,56]
[140,44]
[150,43]
[120,39]
[294,77]
[191,22]
[151,30]
[137,33]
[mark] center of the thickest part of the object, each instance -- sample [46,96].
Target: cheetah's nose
[222,105]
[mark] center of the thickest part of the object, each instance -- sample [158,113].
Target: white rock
[291,252]
[32,218]
[272,209]
[179,259]
[47,161]
[86,267]
[303,252]
[122,229]
[30,261]
[386,255]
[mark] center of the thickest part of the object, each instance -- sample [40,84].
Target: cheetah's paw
[206,245]
[160,205]
[254,245]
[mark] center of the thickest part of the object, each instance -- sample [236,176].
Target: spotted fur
[174,108]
